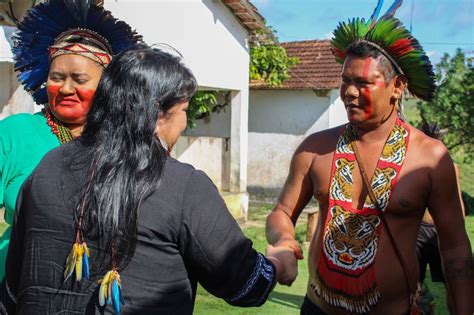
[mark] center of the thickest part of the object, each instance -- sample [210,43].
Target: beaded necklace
[62,132]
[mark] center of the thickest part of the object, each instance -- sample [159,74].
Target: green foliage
[270,63]
[453,103]
[202,105]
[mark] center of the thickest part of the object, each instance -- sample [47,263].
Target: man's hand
[284,257]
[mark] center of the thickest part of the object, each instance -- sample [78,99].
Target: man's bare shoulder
[321,142]
[428,151]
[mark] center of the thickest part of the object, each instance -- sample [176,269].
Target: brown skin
[427,217]
[427,180]
[72,81]
[172,123]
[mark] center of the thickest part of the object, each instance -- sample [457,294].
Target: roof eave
[248,16]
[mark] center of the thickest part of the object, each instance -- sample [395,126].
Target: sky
[441,26]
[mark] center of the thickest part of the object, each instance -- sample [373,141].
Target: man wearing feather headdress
[373,179]
[60,51]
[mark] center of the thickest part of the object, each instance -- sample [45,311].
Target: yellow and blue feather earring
[110,290]
[111,287]
[78,258]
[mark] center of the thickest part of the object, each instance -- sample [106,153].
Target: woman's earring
[396,98]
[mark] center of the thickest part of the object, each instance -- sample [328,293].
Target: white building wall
[8,81]
[278,122]
[205,32]
[214,46]
[8,84]
[212,153]
[337,111]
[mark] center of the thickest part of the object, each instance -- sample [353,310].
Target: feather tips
[110,291]
[375,14]
[78,9]
[78,261]
[70,262]
[116,296]
[85,265]
[393,8]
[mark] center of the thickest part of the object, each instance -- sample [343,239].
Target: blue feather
[376,12]
[78,9]
[85,266]
[32,79]
[116,296]
[40,96]
[393,8]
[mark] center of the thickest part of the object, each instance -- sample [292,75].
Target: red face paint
[71,108]
[366,93]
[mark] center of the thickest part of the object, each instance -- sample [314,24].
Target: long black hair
[119,138]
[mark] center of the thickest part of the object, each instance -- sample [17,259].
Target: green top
[24,140]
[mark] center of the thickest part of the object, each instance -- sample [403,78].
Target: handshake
[285,255]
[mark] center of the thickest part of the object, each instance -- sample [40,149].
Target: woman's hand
[284,256]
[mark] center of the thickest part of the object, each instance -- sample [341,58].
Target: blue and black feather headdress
[46,21]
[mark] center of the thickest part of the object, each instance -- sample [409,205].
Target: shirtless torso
[403,214]
[427,180]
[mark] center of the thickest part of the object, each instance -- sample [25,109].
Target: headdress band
[92,46]
[386,54]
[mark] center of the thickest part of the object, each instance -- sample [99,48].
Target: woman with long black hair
[61,49]
[110,222]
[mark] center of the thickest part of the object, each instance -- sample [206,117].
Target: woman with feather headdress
[60,50]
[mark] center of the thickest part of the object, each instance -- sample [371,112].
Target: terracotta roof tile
[247,14]
[317,68]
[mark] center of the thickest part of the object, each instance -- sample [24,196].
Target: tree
[453,103]
[270,63]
